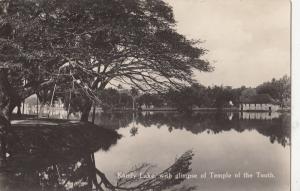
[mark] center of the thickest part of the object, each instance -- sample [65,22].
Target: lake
[230,151]
[221,142]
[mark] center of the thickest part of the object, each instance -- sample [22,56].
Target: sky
[248,40]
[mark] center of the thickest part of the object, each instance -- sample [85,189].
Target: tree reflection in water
[61,158]
[277,129]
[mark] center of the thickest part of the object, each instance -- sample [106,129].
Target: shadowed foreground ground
[57,137]
[39,154]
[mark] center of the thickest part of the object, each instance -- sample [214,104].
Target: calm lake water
[222,143]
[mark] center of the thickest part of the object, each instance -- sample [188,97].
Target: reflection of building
[259,115]
[260,102]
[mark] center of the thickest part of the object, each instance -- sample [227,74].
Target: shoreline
[199,109]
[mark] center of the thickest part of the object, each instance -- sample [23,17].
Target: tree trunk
[7,99]
[88,102]
[19,113]
[133,103]
[42,107]
[86,111]
[94,114]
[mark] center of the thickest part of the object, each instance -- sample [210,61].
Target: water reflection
[62,158]
[277,129]
[51,158]
[222,142]
[72,157]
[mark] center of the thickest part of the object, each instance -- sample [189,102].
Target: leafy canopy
[94,43]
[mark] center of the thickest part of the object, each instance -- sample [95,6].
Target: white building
[260,102]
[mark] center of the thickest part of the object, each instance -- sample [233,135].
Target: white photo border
[295,69]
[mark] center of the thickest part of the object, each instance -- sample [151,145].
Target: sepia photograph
[145,95]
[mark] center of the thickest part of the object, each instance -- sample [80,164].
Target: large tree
[186,98]
[92,43]
[278,89]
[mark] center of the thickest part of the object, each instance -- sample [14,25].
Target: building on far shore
[260,102]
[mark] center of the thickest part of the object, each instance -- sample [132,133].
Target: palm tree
[134,94]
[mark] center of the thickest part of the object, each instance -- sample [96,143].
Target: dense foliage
[87,44]
[196,95]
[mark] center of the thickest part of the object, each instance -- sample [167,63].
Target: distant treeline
[183,99]
[196,95]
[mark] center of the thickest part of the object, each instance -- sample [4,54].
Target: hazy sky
[248,40]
